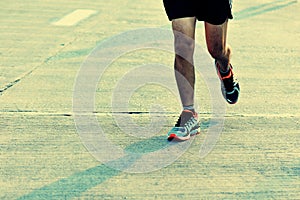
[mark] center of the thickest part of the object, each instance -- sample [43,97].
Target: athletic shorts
[212,11]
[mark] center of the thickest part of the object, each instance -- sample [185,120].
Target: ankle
[190,108]
[222,69]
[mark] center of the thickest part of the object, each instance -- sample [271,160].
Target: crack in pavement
[19,79]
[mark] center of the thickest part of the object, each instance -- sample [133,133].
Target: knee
[184,47]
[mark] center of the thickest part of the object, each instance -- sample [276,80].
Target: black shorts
[212,11]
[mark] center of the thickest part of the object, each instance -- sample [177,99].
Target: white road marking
[74,17]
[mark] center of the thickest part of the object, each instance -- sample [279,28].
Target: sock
[224,72]
[190,107]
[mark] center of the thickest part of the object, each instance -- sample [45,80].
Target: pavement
[51,149]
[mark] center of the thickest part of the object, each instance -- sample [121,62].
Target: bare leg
[184,34]
[216,43]
[219,50]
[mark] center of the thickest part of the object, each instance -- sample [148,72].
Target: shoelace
[188,124]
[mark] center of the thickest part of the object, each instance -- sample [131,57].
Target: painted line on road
[74,17]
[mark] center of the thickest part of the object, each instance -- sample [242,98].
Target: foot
[186,126]
[229,85]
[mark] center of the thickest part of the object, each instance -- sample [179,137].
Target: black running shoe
[229,85]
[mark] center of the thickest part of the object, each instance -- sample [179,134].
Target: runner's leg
[216,43]
[184,43]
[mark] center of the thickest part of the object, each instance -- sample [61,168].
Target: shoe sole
[174,137]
